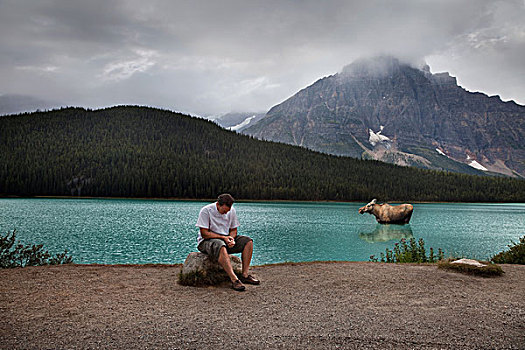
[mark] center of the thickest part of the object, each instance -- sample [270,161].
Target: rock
[198,261]
[470,262]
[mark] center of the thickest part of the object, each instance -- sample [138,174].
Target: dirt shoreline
[301,305]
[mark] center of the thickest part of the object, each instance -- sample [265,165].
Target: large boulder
[200,269]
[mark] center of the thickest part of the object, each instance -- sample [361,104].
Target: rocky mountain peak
[385,109]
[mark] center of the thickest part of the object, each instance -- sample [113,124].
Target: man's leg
[244,245]
[216,248]
[246,257]
[224,261]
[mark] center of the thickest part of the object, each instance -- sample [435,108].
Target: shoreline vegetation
[14,254]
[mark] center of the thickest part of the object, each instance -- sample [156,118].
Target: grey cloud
[489,58]
[210,57]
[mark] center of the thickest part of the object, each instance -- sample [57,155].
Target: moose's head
[368,208]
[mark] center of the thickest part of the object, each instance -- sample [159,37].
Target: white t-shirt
[210,218]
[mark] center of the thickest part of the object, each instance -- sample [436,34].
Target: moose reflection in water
[384,233]
[387,214]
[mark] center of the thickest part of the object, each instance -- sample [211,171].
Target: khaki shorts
[213,246]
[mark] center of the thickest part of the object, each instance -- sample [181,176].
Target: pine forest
[142,152]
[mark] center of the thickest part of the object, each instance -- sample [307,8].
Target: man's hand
[230,241]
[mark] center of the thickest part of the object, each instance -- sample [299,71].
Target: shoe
[250,280]
[238,286]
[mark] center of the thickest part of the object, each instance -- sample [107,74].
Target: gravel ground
[308,305]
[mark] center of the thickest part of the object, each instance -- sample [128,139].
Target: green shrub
[486,271]
[15,254]
[411,252]
[515,255]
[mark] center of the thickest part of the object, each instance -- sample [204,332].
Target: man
[218,238]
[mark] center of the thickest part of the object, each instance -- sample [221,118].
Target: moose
[387,214]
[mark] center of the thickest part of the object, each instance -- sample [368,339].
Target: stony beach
[344,305]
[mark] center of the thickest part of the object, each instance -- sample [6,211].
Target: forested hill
[146,152]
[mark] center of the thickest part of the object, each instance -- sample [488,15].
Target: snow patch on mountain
[473,163]
[441,152]
[476,165]
[242,124]
[376,137]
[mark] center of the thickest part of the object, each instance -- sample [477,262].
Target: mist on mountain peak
[381,66]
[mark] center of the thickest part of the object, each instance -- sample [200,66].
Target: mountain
[239,121]
[383,109]
[14,104]
[130,151]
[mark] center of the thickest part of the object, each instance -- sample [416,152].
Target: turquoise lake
[120,231]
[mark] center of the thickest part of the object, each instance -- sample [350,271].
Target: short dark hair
[227,199]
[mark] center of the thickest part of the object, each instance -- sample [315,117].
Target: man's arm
[233,232]
[207,234]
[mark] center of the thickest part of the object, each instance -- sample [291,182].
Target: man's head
[224,203]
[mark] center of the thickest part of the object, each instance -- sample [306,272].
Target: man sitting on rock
[218,237]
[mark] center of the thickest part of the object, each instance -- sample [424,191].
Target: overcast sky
[212,57]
